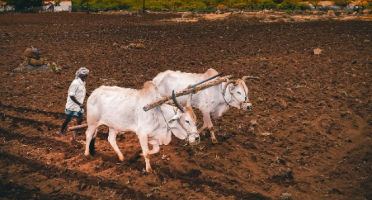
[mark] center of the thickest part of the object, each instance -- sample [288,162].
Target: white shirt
[76,89]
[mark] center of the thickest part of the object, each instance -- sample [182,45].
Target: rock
[317,51]
[135,46]
[266,133]
[36,62]
[286,196]
[32,53]
[331,13]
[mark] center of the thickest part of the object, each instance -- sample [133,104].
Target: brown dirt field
[316,108]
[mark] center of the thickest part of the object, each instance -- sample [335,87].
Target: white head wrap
[82,70]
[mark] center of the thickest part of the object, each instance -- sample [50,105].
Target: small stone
[266,134]
[317,51]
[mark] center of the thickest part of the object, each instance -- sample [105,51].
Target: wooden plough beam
[77,127]
[194,89]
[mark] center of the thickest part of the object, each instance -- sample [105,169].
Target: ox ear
[174,118]
[226,85]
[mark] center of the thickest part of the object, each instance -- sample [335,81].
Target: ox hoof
[214,140]
[149,170]
[87,154]
[121,158]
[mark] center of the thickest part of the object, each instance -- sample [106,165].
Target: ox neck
[224,94]
[166,122]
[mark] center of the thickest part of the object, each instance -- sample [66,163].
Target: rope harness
[178,120]
[168,128]
[232,94]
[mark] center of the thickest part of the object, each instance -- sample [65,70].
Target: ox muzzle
[193,139]
[246,106]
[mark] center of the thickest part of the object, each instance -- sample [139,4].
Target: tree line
[200,6]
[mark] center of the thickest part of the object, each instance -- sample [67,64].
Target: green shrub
[289,5]
[278,1]
[342,3]
[206,10]
[194,6]
[337,13]
[240,5]
[24,5]
[200,6]
[304,6]
[268,4]
[155,6]
[368,5]
[324,8]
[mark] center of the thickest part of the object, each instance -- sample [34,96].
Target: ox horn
[176,103]
[227,83]
[244,78]
[189,99]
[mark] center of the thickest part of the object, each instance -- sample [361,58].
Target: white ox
[121,109]
[213,101]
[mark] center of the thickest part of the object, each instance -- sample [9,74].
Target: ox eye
[239,93]
[187,121]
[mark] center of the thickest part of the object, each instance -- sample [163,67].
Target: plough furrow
[71,150]
[57,115]
[12,190]
[51,171]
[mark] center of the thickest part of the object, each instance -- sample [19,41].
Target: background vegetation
[199,6]
[24,4]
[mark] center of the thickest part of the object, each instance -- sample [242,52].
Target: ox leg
[155,146]
[208,124]
[205,123]
[202,128]
[90,134]
[112,140]
[145,151]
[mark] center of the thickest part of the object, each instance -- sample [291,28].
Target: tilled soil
[313,134]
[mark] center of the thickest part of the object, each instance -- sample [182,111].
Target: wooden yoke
[186,91]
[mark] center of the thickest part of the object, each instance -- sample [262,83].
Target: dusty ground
[312,140]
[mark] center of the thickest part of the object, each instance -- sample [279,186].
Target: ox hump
[210,72]
[149,88]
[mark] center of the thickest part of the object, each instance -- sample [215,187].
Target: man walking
[75,99]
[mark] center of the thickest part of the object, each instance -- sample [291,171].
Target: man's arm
[76,101]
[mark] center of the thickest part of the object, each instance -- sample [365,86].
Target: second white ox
[121,109]
[213,101]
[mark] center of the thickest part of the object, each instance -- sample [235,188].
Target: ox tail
[91,146]
[92,143]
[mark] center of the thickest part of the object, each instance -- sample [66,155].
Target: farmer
[75,99]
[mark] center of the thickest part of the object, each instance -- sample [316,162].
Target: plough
[77,127]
